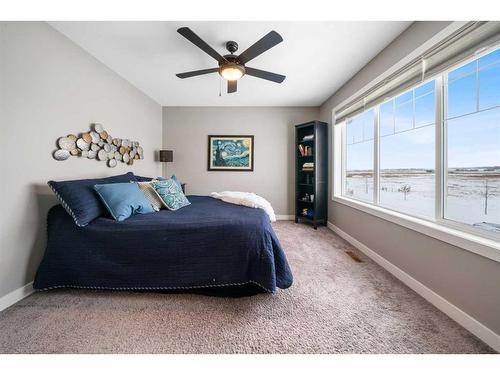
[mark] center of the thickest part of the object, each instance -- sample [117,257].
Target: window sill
[485,247]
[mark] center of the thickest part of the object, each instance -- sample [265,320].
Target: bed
[208,244]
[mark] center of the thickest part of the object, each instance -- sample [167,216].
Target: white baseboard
[465,320]
[285,217]
[15,296]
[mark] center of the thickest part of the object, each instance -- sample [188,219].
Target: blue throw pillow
[79,198]
[123,199]
[171,194]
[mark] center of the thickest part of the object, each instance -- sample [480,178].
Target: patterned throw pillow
[151,195]
[171,194]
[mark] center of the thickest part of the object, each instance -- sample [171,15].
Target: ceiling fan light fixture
[232,71]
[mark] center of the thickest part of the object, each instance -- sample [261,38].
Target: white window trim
[454,233]
[477,244]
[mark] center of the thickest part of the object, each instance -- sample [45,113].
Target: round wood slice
[61,154]
[72,137]
[98,128]
[140,150]
[75,152]
[85,154]
[82,144]
[91,154]
[117,142]
[66,144]
[123,150]
[101,143]
[130,162]
[107,147]
[114,148]
[95,137]
[112,163]
[111,155]
[87,137]
[102,155]
[118,156]
[136,157]
[109,139]
[104,134]
[125,158]
[132,153]
[95,147]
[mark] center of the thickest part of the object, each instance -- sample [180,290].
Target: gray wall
[185,131]
[469,281]
[50,87]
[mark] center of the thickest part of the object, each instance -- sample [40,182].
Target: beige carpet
[336,305]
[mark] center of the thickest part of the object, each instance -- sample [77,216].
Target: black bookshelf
[311,180]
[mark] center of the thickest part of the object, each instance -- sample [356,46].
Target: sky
[407,123]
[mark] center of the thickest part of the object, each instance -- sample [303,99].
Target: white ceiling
[317,58]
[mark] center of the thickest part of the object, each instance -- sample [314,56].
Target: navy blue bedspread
[209,243]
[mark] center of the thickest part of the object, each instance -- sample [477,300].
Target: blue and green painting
[229,153]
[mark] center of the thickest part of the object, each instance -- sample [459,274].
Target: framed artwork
[230,153]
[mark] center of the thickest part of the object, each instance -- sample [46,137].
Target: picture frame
[231,153]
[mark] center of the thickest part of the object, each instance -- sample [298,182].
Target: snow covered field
[472,197]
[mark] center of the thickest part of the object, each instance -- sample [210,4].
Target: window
[433,151]
[359,156]
[473,137]
[407,152]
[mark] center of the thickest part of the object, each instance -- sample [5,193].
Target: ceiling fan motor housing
[232,46]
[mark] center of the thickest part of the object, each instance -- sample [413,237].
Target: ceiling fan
[232,67]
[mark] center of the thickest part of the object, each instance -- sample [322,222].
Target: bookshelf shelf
[311,153]
[305,202]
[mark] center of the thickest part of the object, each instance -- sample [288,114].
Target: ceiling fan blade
[197,73]
[278,78]
[189,34]
[232,86]
[266,42]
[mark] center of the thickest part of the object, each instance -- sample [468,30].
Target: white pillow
[151,195]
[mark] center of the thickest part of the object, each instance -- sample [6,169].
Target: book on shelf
[308,137]
[305,150]
[301,150]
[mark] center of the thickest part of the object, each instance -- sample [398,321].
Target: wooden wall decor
[98,144]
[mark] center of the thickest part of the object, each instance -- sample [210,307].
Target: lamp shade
[166,156]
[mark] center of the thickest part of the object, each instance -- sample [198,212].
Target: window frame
[375,157]
[465,236]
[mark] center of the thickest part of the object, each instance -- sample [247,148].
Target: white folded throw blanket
[246,199]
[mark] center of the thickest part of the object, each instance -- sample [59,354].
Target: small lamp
[166,156]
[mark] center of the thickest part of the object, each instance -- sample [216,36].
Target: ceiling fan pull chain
[220,86]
